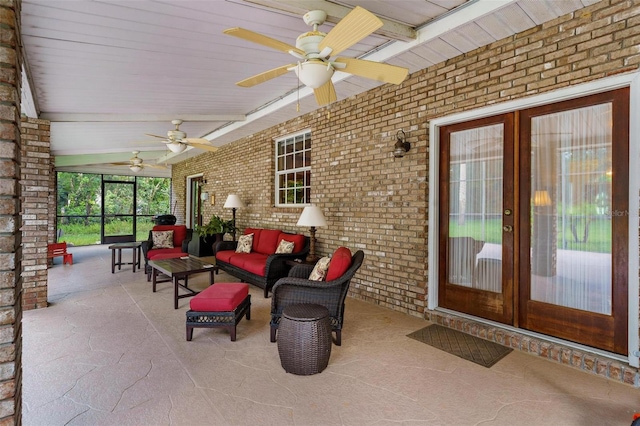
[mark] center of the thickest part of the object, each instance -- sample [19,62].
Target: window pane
[571,208]
[293,170]
[475,208]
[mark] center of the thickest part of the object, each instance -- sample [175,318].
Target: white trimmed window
[293,170]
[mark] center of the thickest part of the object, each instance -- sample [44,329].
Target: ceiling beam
[71,117]
[335,13]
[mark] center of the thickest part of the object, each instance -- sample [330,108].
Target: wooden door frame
[631,80]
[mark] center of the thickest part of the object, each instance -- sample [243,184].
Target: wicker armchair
[296,288]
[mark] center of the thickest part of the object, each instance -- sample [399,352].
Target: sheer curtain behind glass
[571,208]
[475,208]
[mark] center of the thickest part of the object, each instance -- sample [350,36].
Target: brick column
[36,183]
[10,239]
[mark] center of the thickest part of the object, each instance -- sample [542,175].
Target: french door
[534,219]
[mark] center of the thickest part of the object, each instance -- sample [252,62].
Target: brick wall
[37,196]
[380,204]
[10,239]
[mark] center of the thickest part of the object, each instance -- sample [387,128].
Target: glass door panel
[118,206]
[571,174]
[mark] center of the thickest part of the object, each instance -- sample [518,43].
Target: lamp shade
[541,198]
[312,216]
[233,202]
[135,168]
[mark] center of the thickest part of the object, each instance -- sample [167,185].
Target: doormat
[460,344]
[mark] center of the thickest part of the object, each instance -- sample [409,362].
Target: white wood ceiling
[107,72]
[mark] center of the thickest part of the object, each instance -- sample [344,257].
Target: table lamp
[233,202]
[312,217]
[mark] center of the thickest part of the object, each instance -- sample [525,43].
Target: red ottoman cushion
[220,297]
[160,256]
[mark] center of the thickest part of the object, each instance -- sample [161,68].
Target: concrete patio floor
[109,351]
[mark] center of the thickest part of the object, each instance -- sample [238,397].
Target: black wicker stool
[304,339]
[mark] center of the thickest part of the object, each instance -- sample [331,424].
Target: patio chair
[297,288]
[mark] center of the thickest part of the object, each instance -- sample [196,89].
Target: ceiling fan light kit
[314,49]
[314,74]
[135,168]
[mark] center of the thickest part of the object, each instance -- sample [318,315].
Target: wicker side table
[304,339]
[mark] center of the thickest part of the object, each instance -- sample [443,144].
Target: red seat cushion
[220,297]
[252,262]
[225,255]
[166,253]
[179,232]
[268,242]
[296,239]
[340,262]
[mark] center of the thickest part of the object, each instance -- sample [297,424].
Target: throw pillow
[320,270]
[285,247]
[340,262]
[244,244]
[162,239]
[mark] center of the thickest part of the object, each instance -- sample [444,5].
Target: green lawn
[81,233]
[598,239]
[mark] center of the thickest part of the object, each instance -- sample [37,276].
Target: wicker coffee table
[304,339]
[180,269]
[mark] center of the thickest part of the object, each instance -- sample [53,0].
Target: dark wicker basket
[304,339]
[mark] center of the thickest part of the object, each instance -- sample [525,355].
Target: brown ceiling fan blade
[265,76]
[210,148]
[358,24]
[325,94]
[121,163]
[374,70]
[262,39]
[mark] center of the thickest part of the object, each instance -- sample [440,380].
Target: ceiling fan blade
[196,140]
[265,76]
[262,39]
[358,24]
[210,148]
[374,70]
[156,136]
[325,94]
[121,163]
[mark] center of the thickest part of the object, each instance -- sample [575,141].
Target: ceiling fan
[135,163]
[315,48]
[177,140]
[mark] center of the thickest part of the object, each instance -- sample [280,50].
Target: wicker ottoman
[304,339]
[220,305]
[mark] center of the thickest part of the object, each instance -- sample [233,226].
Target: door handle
[507,228]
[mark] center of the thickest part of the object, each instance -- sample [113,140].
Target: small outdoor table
[179,268]
[135,246]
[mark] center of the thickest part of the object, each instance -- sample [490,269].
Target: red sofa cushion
[296,239]
[173,252]
[251,262]
[256,236]
[256,263]
[340,262]
[268,242]
[225,255]
[179,232]
[220,297]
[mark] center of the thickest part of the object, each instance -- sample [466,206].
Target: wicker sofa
[262,266]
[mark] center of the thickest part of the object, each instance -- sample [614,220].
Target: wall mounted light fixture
[402,146]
